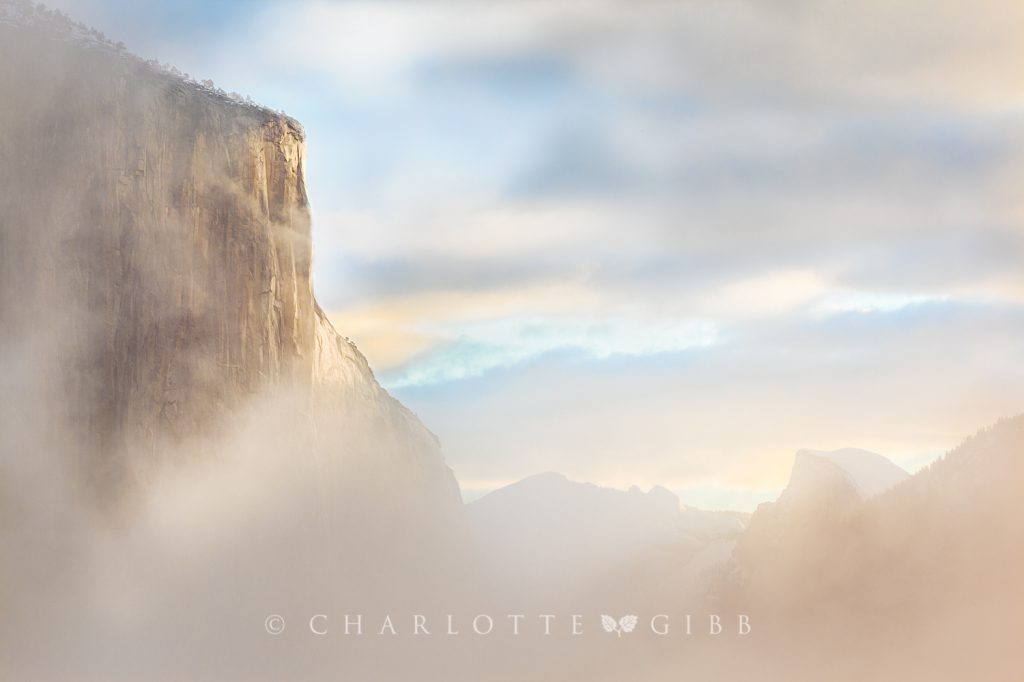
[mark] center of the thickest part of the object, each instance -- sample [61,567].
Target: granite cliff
[155,256]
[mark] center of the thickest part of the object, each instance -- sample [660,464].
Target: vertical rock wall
[155,247]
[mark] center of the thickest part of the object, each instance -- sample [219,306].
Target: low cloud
[473,350]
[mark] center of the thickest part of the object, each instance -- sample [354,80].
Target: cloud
[866,302]
[908,383]
[914,51]
[472,350]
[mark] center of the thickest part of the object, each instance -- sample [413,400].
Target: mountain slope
[921,580]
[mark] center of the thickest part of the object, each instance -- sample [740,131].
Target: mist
[201,479]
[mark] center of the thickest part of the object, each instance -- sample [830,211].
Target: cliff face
[155,250]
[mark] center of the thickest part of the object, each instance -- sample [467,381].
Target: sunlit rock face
[155,255]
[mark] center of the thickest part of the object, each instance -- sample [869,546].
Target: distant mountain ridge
[547,532]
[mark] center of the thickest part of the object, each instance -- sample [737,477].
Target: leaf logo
[625,624]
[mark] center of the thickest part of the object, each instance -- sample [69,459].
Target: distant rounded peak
[839,453]
[544,484]
[544,481]
[552,476]
[868,472]
[661,493]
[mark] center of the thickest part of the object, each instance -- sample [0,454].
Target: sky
[643,242]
